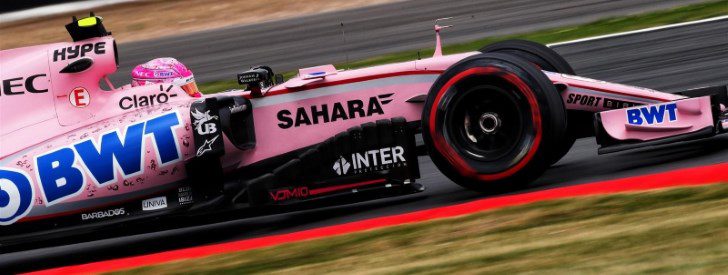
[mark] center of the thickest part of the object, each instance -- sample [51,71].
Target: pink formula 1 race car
[78,153]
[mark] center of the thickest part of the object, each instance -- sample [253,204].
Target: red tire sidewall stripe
[453,157]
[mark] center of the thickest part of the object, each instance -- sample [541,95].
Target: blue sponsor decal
[128,154]
[653,114]
[161,128]
[60,173]
[16,195]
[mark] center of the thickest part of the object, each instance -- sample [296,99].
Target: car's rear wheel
[546,59]
[492,121]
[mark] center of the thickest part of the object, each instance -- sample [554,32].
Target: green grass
[682,230]
[600,27]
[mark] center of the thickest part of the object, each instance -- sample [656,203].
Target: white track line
[638,31]
[56,9]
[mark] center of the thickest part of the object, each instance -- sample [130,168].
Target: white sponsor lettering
[372,160]
[103,214]
[154,203]
[184,195]
[202,122]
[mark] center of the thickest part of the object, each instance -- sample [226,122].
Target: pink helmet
[165,70]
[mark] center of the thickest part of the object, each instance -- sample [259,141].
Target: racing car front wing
[655,124]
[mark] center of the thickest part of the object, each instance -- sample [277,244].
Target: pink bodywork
[32,124]
[75,107]
[691,115]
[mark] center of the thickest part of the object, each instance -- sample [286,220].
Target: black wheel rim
[490,123]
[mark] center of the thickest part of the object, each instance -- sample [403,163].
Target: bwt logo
[60,174]
[16,195]
[655,114]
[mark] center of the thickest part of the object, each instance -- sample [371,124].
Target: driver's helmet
[165,70]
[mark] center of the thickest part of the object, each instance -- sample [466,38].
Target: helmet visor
[191,89]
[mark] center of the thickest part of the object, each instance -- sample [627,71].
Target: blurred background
[219,38]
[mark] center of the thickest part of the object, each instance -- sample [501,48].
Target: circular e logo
[79,97]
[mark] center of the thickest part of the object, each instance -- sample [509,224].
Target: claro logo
[137,101]
[326,113]
[21,85]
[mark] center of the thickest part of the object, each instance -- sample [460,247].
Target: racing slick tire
[547,59]
[544,57]
[491,122]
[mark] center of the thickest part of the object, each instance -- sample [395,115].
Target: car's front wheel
[545,59]
[492,121]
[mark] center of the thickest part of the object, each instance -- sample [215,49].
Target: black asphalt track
[287,45]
